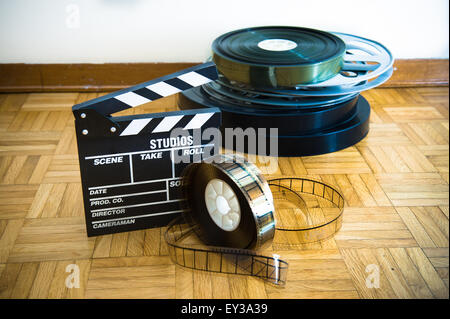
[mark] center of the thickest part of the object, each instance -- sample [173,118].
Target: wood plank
[436,252]
[58,288]
[349,193]
[256,288]
[135,293]
[119,245]
[360,264]
[362,191]
[102,246]
[375,190]
[238,287]
[415,227]
[8,279]
[135,245]
[52,239]
[24,281]
[429,274]
[184,283]
[374,243]
[152,242]
[84,267]
[130,261]
[435,233]
[130,277]
[9,237]
[414,113]
[440,219]
[412,276]
[41,285]
[202,285]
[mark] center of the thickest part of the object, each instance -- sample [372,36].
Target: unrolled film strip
[194,252]
[195,255]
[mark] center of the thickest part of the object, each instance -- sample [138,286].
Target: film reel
[275,56]
[229,185]
[339,89]
[289,121]
[230,207]
[367,64]
[271,100]
[378,59]
[237,179]
[300,133]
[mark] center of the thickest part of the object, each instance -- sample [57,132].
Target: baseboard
[419,72]
[114,76]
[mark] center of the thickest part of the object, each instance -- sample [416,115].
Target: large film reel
[278,56]
[300,132]
[224,91]
[368,64]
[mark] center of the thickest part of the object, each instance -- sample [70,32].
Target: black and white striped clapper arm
[151,90]
[165,122]
[95,114]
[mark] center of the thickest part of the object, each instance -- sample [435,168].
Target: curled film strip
[307,211]
[230,215]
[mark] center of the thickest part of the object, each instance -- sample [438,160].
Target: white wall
[97,31]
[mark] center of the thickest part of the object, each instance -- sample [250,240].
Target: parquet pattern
[395,183]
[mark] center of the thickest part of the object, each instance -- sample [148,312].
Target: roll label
[277,45]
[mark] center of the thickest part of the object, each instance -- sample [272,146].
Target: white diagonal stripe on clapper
[194,79]
[198,120]
[167,123]
[135,127]
[163,89]
[132,99]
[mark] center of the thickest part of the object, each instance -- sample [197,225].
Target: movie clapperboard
[129,172]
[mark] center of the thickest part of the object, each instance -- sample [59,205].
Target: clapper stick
[145,92]
[129,165]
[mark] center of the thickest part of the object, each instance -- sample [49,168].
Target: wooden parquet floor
[395,183]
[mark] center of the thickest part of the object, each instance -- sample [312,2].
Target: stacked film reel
[305,83]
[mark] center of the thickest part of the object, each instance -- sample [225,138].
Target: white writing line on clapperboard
[131,169]
[141,152]
[135,183]
[136,205]
[139,216]
[128,195]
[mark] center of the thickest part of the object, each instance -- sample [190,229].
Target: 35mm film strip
[307,210]
[188,252]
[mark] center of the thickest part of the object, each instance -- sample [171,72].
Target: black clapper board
[129,177]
